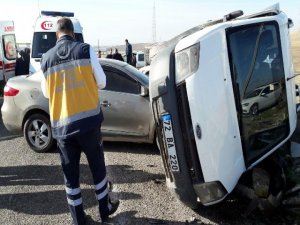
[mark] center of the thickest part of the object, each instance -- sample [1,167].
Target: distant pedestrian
[117,55]
[128,52]
[22,62]
[72,79]
[133,60]
[99,54]
[109,55]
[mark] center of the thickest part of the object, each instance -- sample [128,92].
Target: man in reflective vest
[73,76]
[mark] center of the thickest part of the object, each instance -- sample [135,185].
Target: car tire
[37,132]
[254,109]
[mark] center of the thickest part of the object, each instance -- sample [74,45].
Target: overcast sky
[111,21]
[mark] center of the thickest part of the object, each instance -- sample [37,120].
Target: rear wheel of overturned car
[37,132]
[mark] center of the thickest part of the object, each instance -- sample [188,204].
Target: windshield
[141,57]
[43,41]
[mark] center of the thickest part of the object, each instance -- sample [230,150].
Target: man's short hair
[65,25]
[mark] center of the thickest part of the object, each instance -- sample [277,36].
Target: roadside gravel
[32,190]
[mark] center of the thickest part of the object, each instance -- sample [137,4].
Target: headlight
[210,192]
[187,62]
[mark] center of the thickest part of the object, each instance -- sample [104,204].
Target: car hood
[248,100]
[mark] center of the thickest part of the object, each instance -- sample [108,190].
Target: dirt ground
[295,39]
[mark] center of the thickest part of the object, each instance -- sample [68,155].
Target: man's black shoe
[114,206]
[87,219]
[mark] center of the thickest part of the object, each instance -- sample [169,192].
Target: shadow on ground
[41,202]
[127,147]
[37,175]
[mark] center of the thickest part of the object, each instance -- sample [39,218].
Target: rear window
[9,46]
[43,41]
[141,57]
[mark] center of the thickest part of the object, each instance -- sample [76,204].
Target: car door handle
[105,104]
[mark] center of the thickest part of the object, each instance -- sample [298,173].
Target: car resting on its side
[223,97]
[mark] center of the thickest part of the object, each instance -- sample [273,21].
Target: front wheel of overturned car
[37,132]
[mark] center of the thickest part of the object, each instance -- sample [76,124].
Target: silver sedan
[125,104]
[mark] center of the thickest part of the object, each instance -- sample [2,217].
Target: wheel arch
[31,112]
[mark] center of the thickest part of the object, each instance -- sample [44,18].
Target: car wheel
[254,109]
[37,132]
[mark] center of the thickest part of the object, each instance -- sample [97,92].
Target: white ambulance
[44,36]
[8,51]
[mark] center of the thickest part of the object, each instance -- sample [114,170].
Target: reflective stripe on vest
[68,83]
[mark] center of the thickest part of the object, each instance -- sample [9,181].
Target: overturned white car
[200,85]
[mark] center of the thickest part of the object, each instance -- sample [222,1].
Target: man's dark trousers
[70,149]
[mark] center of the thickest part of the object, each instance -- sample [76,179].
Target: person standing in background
[117,55]
[128,52]
[110,54]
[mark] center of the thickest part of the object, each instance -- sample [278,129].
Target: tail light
[9,91]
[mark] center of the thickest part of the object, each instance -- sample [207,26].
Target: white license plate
[170,142]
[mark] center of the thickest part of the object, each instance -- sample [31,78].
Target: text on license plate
[170,143]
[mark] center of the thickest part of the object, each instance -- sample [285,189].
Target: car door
[268,97]
[264,98]
[126,112]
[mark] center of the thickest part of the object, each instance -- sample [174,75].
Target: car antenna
[233,15]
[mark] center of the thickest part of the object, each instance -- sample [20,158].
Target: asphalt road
[32,190]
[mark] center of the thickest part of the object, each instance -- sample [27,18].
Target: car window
[120,82]
[141,57]
[266,90]
[43,41]
[142,78]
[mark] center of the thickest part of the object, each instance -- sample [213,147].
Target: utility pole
[154,24]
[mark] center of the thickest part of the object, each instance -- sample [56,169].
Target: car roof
[112,62]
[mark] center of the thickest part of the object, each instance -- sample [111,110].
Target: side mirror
[144,91]
[263,94]
[290,23]
[297,90]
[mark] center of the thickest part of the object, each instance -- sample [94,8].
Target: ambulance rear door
[1,62]
[8,53]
